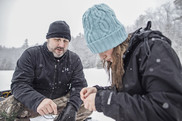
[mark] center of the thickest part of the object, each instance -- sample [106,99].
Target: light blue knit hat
[102,30]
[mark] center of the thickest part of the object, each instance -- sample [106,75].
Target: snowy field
[93,76]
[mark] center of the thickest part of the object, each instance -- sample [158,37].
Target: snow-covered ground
[94,77]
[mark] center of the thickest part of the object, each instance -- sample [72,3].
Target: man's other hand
[47,106]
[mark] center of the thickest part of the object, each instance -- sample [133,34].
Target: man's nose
[61,43]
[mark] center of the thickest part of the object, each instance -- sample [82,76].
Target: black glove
[68,113]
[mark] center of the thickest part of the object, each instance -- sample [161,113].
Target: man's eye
[65,41]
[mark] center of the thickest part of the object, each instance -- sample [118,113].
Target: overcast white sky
[21,19]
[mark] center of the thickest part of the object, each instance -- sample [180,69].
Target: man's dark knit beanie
[59,29]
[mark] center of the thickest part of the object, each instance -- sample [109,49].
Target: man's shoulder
[73,57]
[73,54]
[34,49]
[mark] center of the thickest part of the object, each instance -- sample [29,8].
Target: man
[50,71]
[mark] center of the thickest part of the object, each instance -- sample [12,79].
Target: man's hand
[47,106]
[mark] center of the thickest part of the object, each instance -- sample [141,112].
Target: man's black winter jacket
[152,84]
[38,75]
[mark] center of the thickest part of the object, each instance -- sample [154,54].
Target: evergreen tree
[25,45]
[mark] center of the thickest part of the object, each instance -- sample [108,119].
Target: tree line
[9,56]
[167,19]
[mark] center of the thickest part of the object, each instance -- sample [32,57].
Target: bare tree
[164,20]
[78,45]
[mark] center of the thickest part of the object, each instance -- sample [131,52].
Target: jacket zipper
[55,77]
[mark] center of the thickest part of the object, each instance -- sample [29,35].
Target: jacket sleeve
[22,82]
[162,81]
[78,82]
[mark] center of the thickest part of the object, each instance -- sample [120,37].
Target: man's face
[58,46]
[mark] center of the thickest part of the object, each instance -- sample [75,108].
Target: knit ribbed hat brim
[108,42]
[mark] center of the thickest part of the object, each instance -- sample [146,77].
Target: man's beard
[58,56]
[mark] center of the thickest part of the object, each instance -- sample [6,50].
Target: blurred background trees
[167,19]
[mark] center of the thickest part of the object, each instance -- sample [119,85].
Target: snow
[93,76]
[5,80]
